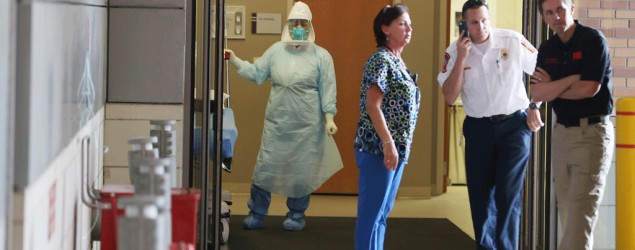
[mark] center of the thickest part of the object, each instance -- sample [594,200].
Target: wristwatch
[533,106]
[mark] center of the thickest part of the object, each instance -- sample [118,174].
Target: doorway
[338,25]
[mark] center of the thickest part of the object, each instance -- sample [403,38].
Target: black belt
[576,122]
[500,118]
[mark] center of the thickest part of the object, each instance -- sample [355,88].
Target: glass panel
[199,82]
[204,78]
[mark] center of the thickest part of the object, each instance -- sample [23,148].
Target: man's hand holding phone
[463,29]
[464,44]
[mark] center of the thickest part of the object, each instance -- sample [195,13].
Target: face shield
[299,30]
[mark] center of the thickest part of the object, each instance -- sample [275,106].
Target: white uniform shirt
[493,82]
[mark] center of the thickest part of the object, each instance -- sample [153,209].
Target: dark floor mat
[332,233]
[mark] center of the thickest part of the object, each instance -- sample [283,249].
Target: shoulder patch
[446,59]
[527,45]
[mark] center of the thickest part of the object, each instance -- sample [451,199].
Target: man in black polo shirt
[573,72]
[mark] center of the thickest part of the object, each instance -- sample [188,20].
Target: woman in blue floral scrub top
[400,104]
[388,113]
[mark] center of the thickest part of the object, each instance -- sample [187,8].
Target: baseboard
[404,192]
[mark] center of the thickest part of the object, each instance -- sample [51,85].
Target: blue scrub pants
[496,156]
[377,191]
[261,199]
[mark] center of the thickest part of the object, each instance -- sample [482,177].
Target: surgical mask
[299,33]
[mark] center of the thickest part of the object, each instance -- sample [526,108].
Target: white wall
[60,77]
[49,214]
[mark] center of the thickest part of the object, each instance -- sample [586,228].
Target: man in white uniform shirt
[486,68]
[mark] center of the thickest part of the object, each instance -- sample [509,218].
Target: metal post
[538,227]
[625,174]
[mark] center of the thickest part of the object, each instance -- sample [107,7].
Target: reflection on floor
[453,205]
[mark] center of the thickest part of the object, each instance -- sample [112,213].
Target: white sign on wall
[266,23]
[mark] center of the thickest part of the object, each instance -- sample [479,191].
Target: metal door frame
[204,18]
[538,225]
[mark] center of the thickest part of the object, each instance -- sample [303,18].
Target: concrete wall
[146,51]
[124,121]
[146,77]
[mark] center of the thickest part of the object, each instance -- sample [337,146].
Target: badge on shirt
[577,55]
[504,54]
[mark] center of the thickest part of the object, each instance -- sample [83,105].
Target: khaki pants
[581,158]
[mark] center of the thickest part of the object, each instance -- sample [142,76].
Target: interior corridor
[453,205]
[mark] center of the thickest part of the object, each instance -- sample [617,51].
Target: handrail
[93,199]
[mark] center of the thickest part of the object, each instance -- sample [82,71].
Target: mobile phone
[463,27]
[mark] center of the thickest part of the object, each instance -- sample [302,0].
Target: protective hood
[299,11]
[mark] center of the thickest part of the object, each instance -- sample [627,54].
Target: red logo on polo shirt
[445,62]
[577,55]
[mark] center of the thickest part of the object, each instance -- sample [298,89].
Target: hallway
[453,205]
[79,79]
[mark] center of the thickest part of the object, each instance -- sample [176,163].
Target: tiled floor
[453,205]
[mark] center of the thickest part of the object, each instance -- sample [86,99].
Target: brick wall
[616,19]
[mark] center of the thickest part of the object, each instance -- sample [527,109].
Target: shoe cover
[293,222]
[253,222]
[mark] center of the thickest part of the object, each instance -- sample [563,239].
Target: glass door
[206,75]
